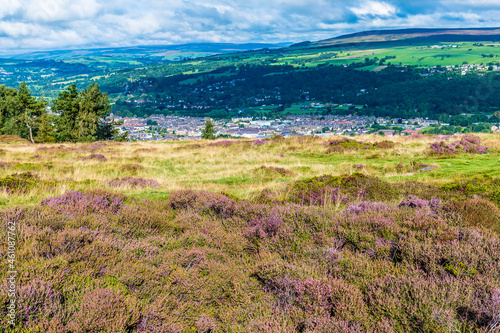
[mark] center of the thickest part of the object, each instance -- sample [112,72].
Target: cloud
[41,24]
[374,8]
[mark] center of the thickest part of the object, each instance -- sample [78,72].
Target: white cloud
[472,3]
[39,24]
[374,8]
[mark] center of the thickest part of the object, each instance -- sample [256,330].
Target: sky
[64,24]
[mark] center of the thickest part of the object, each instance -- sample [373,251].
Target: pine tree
[29,111]
[83,114]
[209,131]
[46,130]
[67,105]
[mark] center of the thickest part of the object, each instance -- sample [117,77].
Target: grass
[287,236]
[200,165]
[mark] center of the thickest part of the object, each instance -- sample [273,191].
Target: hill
[283,235]
[227,84]
[161,52]
[408,37]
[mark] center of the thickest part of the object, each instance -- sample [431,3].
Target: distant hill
[166,52]
[406,36]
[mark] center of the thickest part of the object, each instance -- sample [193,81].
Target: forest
[393,92]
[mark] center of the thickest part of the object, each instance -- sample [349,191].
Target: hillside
[408,37]
[161,52]
[229,83]
[281,235]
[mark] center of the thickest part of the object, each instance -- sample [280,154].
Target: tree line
[74,116]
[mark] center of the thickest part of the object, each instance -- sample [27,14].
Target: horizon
[278,44]
[29,26]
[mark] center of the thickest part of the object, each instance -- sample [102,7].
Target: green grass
[234,169]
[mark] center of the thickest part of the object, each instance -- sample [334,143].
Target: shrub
[469,144]
[348,144]
[476,212]
[335,149]
[259,142]
[265,226]
[18,182]
[133,182]
[38,301]
[384,144]
[223,143]
[101,310]
[278,170]
[75,203]
[131,167]
[99,157]
[342,189]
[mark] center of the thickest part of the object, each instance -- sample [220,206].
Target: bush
[101,310]
[132,182]
[98,157]
[18,182]
[468,144]
[476,212]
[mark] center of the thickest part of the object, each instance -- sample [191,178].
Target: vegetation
[209,131]
[272,235]
[223,85]
[76,117]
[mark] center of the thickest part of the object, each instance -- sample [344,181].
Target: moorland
[303,234]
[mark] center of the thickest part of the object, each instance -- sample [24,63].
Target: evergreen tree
[82,115]
[67,105]
[46,130]
[209,131]
[8,103]
[28,112]
[497,115]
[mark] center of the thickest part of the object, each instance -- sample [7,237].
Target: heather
[103,262]
[470,144]
[132,182]
[197,237]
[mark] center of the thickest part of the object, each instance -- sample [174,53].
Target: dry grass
[201,165]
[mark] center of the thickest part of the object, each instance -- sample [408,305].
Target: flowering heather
[415,202]
[259,142]
[103,310]
[265,226]
[99,157]
[38,300]
[18,182]
[363,207]
[133,182]
[223,143]
[75,202]
[210,262]
[415,135]
[469,144]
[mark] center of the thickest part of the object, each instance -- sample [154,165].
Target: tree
[82,115]
[497,115]
[209,131]
[67,105]
[29,111]
[46,130]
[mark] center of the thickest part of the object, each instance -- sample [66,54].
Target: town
[161,127]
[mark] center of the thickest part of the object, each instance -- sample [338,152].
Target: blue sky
[59,24]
